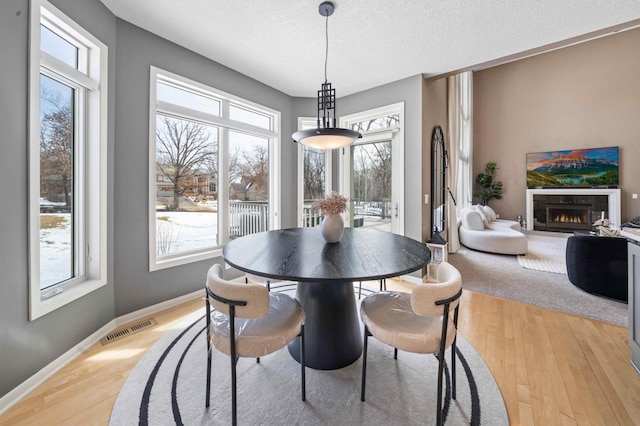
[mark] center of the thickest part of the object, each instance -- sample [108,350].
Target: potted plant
[332,208]
[487,187]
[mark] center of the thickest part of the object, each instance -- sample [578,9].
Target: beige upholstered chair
[420,322]
[260,280]
[248,321]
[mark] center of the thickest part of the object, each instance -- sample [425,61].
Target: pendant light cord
[326,53]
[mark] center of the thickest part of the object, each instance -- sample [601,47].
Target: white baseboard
[159,307]
[29,385]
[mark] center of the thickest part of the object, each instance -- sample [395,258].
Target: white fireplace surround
[613,214]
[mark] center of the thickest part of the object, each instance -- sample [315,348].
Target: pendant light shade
[326,135]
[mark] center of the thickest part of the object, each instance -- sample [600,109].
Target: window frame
[90,141]
[225,124]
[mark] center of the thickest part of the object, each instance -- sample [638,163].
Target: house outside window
[200,138]
[67,160]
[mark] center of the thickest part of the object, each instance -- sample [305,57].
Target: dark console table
[325,275]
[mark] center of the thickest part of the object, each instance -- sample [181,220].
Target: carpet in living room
[502,276]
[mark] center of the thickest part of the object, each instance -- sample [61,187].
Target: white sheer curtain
[459,144]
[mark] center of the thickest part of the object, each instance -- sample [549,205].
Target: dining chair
[260,280]
[419,322]
[246,320]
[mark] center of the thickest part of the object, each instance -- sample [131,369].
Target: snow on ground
[55,252]
[186,231]
[179,232]
[182,232]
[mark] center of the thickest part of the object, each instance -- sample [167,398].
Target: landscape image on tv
[578,167]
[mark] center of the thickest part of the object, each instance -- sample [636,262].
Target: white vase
[332,228]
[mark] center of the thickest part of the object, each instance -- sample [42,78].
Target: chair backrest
[256,296]
[424,296]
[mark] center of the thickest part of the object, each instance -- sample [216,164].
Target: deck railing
[380,209]
[248,217]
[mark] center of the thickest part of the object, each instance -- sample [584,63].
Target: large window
[67,160]
[213,162]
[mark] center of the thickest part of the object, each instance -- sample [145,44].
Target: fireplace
[571,209]
[568,217]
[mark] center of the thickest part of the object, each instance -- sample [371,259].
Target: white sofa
[480,229]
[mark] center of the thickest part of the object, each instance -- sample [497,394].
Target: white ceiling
[281,43]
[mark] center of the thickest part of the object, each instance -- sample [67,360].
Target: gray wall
[27,346]
[409,91]
[137,50]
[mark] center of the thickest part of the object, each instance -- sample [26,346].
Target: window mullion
[58,67]
[223,186]
[179,111]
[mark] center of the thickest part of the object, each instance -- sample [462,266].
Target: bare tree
[184,149]
[255,169]
[372,171]
[56,147]
[314,173]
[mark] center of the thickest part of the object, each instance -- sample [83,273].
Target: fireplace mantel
[613,214]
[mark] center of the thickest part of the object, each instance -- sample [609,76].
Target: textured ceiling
[281,43]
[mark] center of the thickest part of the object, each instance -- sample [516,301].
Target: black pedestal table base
[332,332]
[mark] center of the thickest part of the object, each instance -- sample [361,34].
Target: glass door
[372,175]
[370,204]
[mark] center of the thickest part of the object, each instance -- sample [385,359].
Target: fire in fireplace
[568,217]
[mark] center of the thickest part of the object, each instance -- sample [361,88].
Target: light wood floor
[552,368]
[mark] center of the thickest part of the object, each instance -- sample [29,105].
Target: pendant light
[326,135]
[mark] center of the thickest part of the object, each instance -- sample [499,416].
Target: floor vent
[127,331]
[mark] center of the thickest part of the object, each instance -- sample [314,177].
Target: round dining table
[325,274]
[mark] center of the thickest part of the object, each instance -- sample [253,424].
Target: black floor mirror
[438,182]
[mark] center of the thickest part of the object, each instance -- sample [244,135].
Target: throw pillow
[485,219]
[491,214]
[471,219]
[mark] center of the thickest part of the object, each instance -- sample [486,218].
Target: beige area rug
[167,387]
[545,254]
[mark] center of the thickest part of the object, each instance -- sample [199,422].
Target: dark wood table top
[300,254]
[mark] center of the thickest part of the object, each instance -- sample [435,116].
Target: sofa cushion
[483,216]
[471,219]
[491,214]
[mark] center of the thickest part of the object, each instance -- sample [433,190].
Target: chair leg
[440,374]
[268,285]
[383,284]
[208,394]
[302,364]
[359,290]
[209,349]
[364,362]
[234,420]
[453,368]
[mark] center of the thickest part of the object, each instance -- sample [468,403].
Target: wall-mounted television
[590,167]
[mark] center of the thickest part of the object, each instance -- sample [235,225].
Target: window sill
[41,306]
[159,264]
